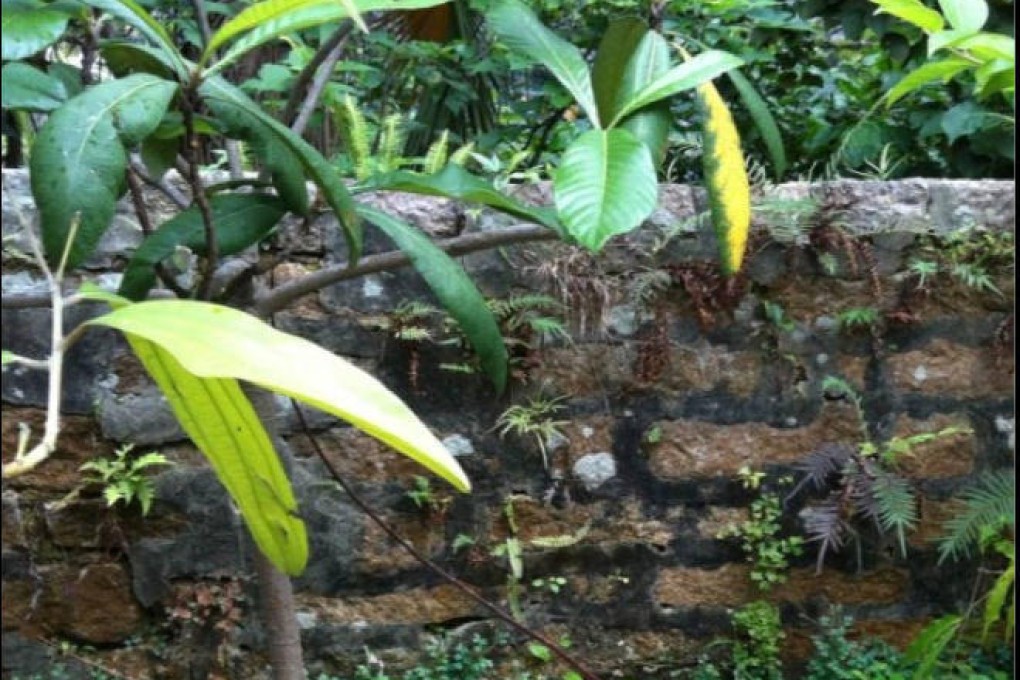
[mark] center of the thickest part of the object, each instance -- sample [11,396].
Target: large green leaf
[26,87]
[763,120]
[28,27]
[133,14]
[605,185]
[935,70]
[914,12]
[454,289]
[241,220]
[454,181]
[124,58]
[212,341]
[268,20]
[518,27]
[222,423]
[688,75]
[965,15]
[284,153]
[79,159]
[629,58]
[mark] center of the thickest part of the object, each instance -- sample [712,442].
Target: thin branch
[278,298]
[212,250]
[460,585]
[322,76]
[203,21]
[308,72]
[176,197]
[138,201]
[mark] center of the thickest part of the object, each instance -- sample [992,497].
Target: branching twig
[460,585]
[25,461]
[322,76]
[212,250]
[176,197]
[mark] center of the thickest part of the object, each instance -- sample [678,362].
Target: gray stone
[595,469]
[458,445]
[622,320]
[1007,426]
[144,418]
[556,441]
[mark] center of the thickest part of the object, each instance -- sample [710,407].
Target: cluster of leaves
[761,536]
[536,419]
[861,482]
[971,256]
[836,657]
[123,477]
[215,605]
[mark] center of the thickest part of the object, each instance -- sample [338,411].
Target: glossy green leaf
[268,20]
[69,76]
[522,32]
[930,643]
[997,75]
[133,14]
[629,58]
[124,58]
[284,153]
[605,186]
[914,12]
[79,159]
[997,599]
[26,87]
[988,46]
[29,27]
[241,220]
[454,290]
[936,70]
[159,154]
[212,341]
[686,76]
[222,423]
[763,120]
[965,15]
[454,181]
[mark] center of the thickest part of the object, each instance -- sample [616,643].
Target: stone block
[949,456]
[692,449]
[947,369]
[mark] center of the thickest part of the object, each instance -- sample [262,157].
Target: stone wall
[672,381]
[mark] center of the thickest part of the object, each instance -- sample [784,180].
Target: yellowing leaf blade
[729,190]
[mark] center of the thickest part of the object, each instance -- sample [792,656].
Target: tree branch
[322,76]
[309,71]
[138,201]
[278,298]
[176,197]
[191,142]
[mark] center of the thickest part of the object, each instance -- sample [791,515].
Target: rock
[459,446]
[12,519]
[102,608]
[595,469]
[143,419]
[1007,426]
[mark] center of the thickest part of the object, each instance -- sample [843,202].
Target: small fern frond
[895,506]
[391,142]
[435,157]
[988,505]
[462,155]
[355,136]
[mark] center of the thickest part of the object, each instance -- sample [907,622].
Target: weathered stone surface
[78,524]
[708,367]
[102,608]
[143,418]
[418,605]
[595,469]
[690,448]
[947,456]
[943,367]
[12,524]
[458,445]
[78,442]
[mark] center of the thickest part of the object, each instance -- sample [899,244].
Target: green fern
[988,507]
[895,505]
[436,156]
[391,143]
[355,135]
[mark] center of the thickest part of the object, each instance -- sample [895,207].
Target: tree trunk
[276,597]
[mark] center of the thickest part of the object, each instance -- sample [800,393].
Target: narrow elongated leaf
[268,20]
[455,291]
[929,644]
[135,16]
[285,150]
[936,70]
[78,160]
[212,341]
[729,191]
[241,220]
[518,27]
[763,120]
[912,11]
[965,15]
[629,58]
[997,599]
[686,76]
[29,27]
[222,423]
[454,181]
[26,87]
[605,186]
